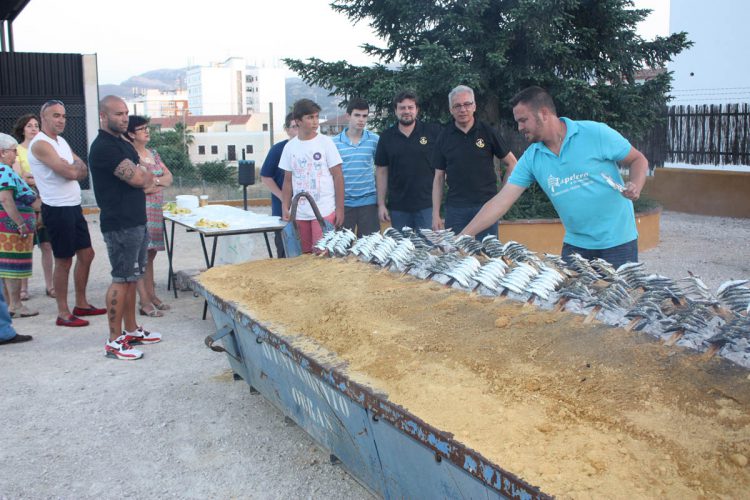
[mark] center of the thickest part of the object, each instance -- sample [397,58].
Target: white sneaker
[120,349]
[141,336]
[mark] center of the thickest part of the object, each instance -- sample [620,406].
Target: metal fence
[27,80]
[708,134]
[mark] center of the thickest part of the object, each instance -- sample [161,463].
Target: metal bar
[268,245]
[169,243]
[11,45]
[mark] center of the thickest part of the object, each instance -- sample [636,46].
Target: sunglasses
[51,102]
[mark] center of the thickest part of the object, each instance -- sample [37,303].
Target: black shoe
[17,339]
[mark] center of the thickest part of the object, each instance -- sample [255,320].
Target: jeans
[7,331]
[457,218]
[420,219]
[617,256]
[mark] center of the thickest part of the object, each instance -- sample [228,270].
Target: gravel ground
[175,424]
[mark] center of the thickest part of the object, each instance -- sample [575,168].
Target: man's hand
[437,223]
[285,212]
[338,220]
[383,213]
[632,192]
[83,170]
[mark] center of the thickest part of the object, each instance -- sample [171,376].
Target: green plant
[585,53]
[217,172]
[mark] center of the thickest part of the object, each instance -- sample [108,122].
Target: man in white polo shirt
[57,170]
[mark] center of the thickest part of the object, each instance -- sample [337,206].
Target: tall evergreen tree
[585,52]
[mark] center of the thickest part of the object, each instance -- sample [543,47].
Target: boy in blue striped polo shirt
[357,149]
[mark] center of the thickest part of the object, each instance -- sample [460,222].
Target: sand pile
[579,410]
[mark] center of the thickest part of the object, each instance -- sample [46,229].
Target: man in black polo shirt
[119,181]
[465,154]
[403,166]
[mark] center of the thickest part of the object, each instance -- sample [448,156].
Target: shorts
[364,219]
[67,228]
[127,249]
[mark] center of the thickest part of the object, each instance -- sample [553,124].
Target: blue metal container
[390,451]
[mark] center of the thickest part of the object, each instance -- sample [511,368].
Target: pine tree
[585,52]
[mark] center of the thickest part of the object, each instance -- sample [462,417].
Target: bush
[217,172]
[178,162]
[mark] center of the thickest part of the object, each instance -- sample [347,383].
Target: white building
[224,137]
[155,103]
[234,88]
[266,86]
[713,70]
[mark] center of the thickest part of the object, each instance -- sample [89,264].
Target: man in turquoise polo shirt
[576,164]
[357,149]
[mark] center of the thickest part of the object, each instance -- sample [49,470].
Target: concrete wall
[704,192]
[546,235]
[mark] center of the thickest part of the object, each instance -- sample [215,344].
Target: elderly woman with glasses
[138,133]
[17,224]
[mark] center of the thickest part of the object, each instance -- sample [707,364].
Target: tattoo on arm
[125,171]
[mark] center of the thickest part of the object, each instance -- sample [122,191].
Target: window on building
[214,150]
[265,127]
[249,149]
[231,153]
[201,128]
[201,150]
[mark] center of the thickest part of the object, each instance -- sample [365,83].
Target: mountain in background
[162,79]
[297,89]
[171,79]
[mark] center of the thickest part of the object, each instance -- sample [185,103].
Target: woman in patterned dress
[25,129]
[17,224]
[138,133]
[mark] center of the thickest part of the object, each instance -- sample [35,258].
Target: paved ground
[174,424]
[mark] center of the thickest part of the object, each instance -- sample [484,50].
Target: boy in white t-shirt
[312,163]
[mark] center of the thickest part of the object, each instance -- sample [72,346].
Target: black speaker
[246,172]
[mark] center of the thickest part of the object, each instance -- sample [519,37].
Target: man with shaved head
[119,184]
[57,170]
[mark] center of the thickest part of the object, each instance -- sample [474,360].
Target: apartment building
[156,103]
[234,88]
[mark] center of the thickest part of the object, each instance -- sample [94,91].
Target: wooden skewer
[711,351]
[590,316]
[675,337]
[561,304]
[633,323]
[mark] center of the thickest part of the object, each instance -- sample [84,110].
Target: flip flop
[24,295]
[51,293]
[153,313]
[161,306]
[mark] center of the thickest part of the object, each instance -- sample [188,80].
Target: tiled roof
[193,120]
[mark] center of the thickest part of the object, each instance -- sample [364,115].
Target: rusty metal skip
[390,451]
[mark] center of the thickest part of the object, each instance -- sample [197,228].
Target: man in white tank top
[57,170]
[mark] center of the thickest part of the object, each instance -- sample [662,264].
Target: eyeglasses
[141,128]
[52,102]
[465,105]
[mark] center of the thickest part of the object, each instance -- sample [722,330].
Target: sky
[136,36]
